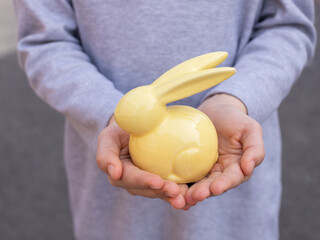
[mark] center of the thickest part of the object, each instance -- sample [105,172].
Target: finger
[190,199]
[109,145]
[203,190]
[253,148]
[179,201]
[231,177]
[176,202]
[171,189]
[133,177]
[187,207]
[149,193]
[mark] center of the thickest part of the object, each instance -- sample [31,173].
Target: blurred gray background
[33,187]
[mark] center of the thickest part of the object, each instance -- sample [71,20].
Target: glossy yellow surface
[178,143]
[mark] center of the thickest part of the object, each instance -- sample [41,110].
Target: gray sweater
[82,56]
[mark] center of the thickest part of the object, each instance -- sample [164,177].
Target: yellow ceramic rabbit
[178,143]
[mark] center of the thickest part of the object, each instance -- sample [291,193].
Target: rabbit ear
[191,83]
[196,64]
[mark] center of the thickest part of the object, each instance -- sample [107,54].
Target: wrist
[222,99]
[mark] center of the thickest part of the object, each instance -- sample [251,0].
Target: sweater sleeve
[282,42]
[58,69]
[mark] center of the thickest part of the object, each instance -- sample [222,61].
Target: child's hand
[240,146]
[113,158]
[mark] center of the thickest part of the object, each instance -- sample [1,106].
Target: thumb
[253,148]
[109,146]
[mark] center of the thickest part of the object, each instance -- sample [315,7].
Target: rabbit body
[183,147]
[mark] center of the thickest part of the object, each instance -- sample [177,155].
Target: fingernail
[110,170]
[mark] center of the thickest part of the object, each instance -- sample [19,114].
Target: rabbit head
[139,111]
[143,108]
